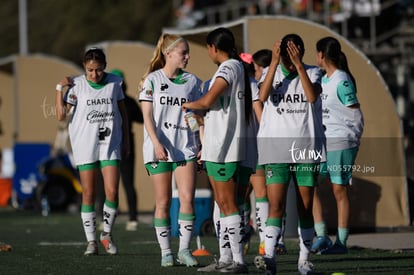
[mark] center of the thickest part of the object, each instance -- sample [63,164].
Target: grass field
[55,245]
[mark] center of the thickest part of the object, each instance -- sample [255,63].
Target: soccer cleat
[259,262]
[261,249]
[91,249]
[186,258]
[281,249]
[305,268]
[214,267]
[131,226]
[108,243]
[270,266]
[167,260]
[235,268]
[336,249]
[321,243]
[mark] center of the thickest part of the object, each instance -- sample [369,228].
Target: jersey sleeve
[316,76]
[227,73]
[346,93]
[255,89]
[206,85]
[71,96]
[147,91]
[262,77]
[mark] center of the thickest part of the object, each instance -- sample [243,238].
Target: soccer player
[170,147]
[228,102]
[291,144]
[98,135]
[344,124]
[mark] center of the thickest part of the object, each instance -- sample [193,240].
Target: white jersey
[344,125]
[224,124]
[291,129]
[252,128]
[167,97]
[95,128]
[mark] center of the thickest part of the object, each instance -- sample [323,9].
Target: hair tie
[246,57]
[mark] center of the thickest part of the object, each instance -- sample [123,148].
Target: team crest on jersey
[148,92]
[269,173]
[73,97]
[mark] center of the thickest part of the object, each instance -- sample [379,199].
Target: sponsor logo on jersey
[288,98]
[99,101]
[99,116]
[169,125]
[164,86]
[104,132]
[172,101]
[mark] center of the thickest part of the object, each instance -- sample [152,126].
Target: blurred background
[383,30]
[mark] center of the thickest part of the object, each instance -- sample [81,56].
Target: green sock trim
[111,204]
[320,229]
[246,207]
[186,217]
[343,234]
[274,222]
[87,208]
[161,222]
[262,199]
[306,223]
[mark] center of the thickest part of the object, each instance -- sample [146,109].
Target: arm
[258,109]
[266,86]
[149,124]
[209,98]
[61,108]
[312,90]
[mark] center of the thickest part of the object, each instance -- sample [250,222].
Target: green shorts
[159,167]
[339,165]
[221,171]
[98,164]
[243,175]
[260,167]
[305,173]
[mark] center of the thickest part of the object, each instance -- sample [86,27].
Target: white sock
[282,231]
[226,255]
[109,215]
[233,228]
[163,237]
[305,242]
[271,237]
[216,219]
[262,211]
[89,225]
[185,233]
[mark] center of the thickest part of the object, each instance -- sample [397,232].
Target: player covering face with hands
[291,121]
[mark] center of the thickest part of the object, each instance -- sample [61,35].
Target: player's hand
[276,51]
[160,152]
[185,107]
[294,54]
